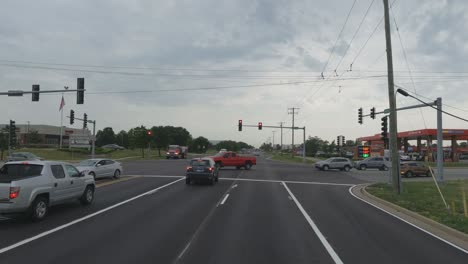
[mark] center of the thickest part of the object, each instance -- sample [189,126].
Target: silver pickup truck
[32,186]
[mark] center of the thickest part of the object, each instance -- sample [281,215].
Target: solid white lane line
[46,233]
[409,223]
[156,176]
[297,182]
[319,234]
[225,198]
[252,180]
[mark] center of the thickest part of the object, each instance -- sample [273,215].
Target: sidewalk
[438,230]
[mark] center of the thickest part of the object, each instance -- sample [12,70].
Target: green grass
[424,199]
[289,158]
[451,164]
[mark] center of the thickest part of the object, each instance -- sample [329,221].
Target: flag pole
[61,123]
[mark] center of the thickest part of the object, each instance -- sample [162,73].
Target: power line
[370,36]
[339,36]
[354,35]
[407,65]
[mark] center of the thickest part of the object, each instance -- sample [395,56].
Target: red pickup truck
[232,159]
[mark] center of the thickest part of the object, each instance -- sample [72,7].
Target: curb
[437,229]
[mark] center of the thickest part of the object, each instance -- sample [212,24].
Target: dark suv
[202,169]
[372,163]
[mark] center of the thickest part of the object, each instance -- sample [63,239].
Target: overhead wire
[407,64]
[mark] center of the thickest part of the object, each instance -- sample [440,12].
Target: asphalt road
[274,213]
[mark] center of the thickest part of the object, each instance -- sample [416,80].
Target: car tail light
[14,192]
[210,169]
[189,168]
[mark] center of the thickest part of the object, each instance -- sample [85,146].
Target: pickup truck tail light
[14,192]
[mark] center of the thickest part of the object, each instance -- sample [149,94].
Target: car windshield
[19,171]
[200,163]
[87,162]
[234,131]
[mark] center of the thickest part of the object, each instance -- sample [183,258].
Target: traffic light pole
[93,141]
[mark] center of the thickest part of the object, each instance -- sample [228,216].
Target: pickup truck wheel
[248,166]
[88,196]
[39,209]
[238,167]
[219,164]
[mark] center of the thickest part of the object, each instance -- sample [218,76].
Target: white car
[100,168]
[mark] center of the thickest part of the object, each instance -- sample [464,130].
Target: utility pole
[292,111]
[281,126]
[274,131]
[440,138]
[392,102]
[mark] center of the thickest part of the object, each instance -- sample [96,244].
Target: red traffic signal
[260,125]
[240,125]
[149,132]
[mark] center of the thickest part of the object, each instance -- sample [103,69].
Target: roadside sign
[386,111]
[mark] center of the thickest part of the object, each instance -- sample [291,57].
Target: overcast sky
[266,55]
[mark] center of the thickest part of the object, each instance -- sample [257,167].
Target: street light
[440,151]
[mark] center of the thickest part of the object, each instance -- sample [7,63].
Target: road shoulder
[445,233]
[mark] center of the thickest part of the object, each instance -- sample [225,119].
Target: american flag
[62,104]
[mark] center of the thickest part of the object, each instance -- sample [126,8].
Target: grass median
[423,198]
[295,159]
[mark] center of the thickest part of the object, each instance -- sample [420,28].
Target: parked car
[410,169]
[202,169]
[113,147]
[34,186]
[372,163]
[335,163]
[100,168]
[19,156]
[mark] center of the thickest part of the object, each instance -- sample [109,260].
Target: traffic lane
[282,171]
[361,233]
[155,167]
[258,223]
[16,229]
[153,228]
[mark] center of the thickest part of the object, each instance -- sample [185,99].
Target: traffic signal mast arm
[81,119]
[405,108]
[284,127]
[21,92]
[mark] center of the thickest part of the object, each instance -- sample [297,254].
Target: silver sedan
[100,168]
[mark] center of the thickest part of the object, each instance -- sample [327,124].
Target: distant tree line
[160,138]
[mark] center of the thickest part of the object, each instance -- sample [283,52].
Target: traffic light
[338,142]
[80,92]
[85,121]
[35,94]
[12,133]
[384,128]
[343,141]
[149,133]
[364,151]
[372,113]
[360,116]
[72,117]
[260,125]
[240,125]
